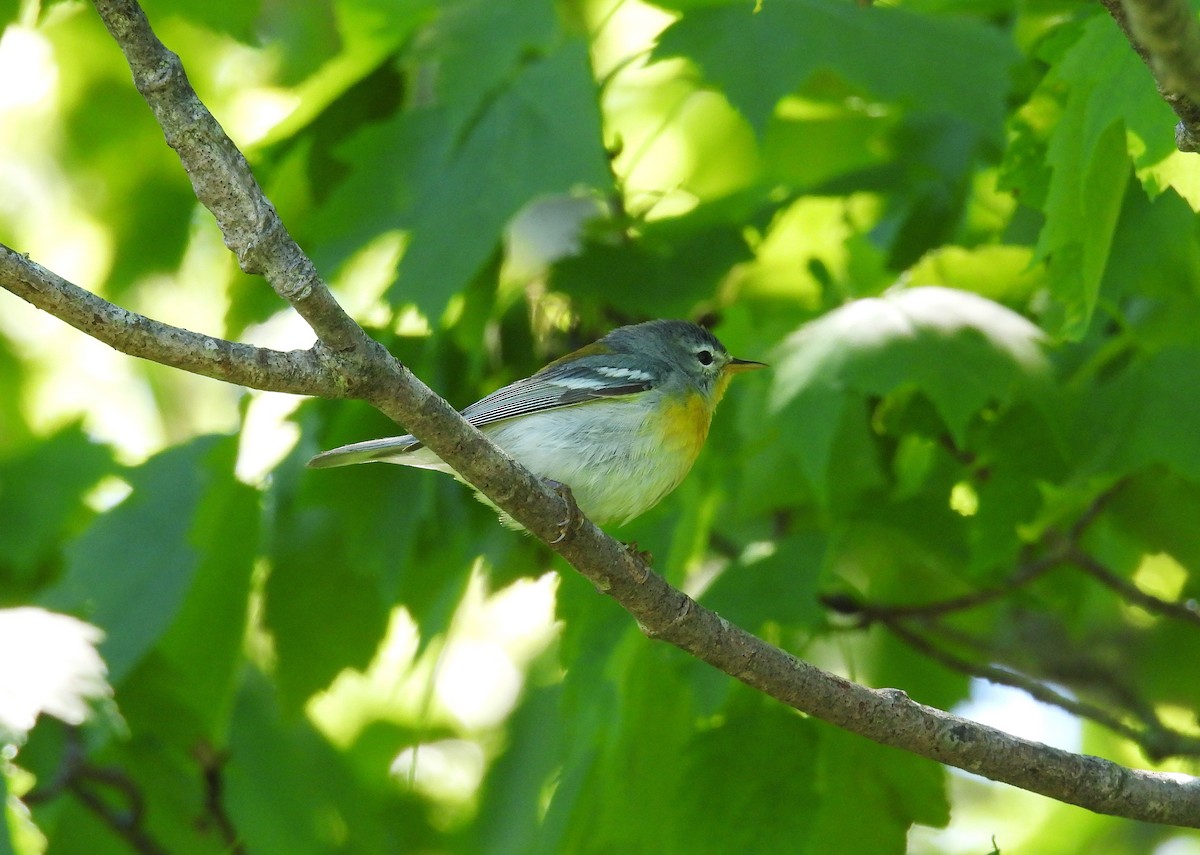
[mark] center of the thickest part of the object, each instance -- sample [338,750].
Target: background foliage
[363,660]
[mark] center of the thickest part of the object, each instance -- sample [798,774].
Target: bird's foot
[642,558]
[573,515]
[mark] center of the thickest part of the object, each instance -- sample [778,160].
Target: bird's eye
[705,357]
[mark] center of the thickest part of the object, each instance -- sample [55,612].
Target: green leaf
[478,44]
[1147,415]
[1157,508]
[41,498]
[509,821]
[640,278]
[12,379]
[234,17]
[780,588]
[891,54]
[872,795]
[962,352]
[1157,276]
[998,272]
[130,572]
[634,769]
[539,136]
[1089,158]
[8,815]
[314,804]
[750,784]
[347,545]
[203,648]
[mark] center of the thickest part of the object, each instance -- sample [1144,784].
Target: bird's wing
[564,384]
[586,375]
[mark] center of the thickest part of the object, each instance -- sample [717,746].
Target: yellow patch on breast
[684,426]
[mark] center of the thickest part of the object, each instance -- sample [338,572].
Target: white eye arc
[705,357]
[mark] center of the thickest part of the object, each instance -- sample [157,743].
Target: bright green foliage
[793,40]
[957,229]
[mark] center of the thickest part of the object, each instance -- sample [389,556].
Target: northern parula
[620,421]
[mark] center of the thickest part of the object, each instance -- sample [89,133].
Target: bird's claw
[573,513]
[643,557]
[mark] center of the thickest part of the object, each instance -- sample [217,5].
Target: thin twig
[85,781]
[1156,740]
[127,824]
[870,612]
[1188,610]
[211,764]
[1007,677]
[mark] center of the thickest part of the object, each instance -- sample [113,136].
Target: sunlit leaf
[130,585]
[42,498]
[1090,167]
[891,54]
[539,136]
[959,350]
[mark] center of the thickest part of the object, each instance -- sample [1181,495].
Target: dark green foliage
[491,183]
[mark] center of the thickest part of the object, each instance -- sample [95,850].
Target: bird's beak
[737,366]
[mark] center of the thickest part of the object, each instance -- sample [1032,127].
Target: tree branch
[1165,34]
[1153,737]
[1187,611]
[222,180]
[300,372]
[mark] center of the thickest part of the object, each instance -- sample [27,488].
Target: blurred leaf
[750,784]
[133,586]
[1088,156]
[233,17]
[891,54]
[1160,276]
[11,815]
[150,207]
[872,795]
[13,428]
[41,499]
[781,588]
[509,817]
[639,279]
[349,544]
[1147,415]
[203,647]
[477,43]
[809,142]
[314,804]
[539,136]
[960,351]
[1002,273]
[435,170]
[1156,507]
[306,33]
[629,785]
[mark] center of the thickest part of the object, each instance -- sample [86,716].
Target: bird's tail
[391,449]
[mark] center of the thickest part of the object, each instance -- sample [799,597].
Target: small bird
[619,421]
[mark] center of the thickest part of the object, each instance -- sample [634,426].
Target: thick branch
[222,180]
[298,371]
[1166,35]
[886,716]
